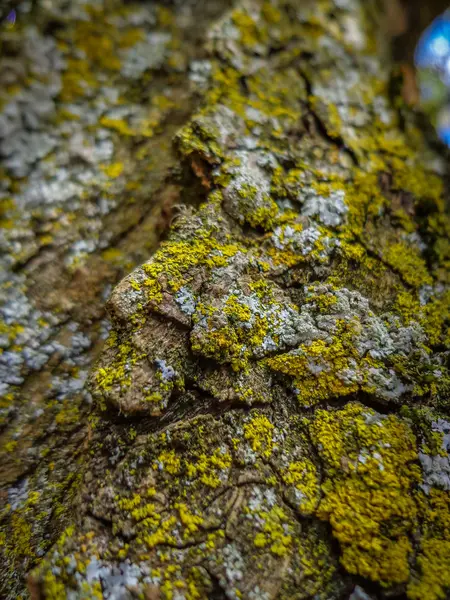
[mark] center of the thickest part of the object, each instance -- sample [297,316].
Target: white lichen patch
[436,468]
[353,351]
[248,324]
[329,210]
[186,300]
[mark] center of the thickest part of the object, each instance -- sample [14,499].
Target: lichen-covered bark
[270,407]
[91,95]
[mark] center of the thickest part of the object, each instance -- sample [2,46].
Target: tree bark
[269,410]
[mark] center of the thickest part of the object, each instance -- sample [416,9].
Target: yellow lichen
[303,476]
[259,432]
[275,534]
[370,477]
[251,33]
[432,579]
[169,461]
[113,170]
[332,359]
[118,125]
[119,371]
[207,468]
[174,260]
[407,261]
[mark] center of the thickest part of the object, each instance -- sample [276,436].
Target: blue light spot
[432,59]
[443,125]
[11,18]
[434,46]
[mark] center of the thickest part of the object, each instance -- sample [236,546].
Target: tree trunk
[269,410]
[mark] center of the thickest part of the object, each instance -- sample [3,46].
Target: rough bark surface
[91,96]
[269,415]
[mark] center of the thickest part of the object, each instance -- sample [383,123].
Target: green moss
[8,213]
[180,488]
[434,561]
[333,121]
[169,461]
[271,13]
[54,588]
[322,301]
[77,80]
[236,310]
[422,419]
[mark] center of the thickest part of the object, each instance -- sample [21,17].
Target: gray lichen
[269,410]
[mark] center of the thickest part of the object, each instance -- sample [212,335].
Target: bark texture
[91,95]
[269,415]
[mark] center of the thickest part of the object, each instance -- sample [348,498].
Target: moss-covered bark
[270,408]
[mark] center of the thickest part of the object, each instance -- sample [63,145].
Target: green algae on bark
[271,409]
